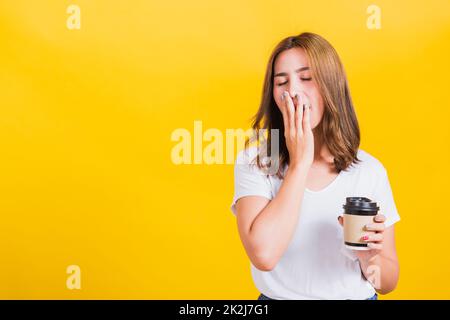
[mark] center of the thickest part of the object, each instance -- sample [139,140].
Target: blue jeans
[263,297]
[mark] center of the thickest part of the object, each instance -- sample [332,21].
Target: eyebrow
[282,74]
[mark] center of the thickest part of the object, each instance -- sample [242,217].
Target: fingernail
[282,97]
[365,238]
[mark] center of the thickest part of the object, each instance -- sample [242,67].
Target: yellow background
[86,117]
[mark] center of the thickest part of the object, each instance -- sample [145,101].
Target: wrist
[370,259]
[298,168]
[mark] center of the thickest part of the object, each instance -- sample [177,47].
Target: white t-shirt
[316,264]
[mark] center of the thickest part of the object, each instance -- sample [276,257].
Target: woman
[290,221]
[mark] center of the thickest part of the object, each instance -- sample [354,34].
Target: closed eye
[304,79]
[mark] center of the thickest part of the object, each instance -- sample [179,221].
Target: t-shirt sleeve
[384,197]
[249,180]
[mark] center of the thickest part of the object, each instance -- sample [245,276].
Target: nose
[294,89]
[293,93]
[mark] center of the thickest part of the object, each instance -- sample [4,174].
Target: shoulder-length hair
[338,128]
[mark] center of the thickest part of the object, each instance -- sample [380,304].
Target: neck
[321,152]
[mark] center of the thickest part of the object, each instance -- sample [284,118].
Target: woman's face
[292,74]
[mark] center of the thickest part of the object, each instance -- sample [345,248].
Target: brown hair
[338,128]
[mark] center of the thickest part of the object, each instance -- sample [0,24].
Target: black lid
[360,205]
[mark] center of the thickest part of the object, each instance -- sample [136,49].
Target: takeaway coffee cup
[359,212]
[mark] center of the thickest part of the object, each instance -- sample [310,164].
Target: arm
[266,227]
[379,265]
[382,268]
